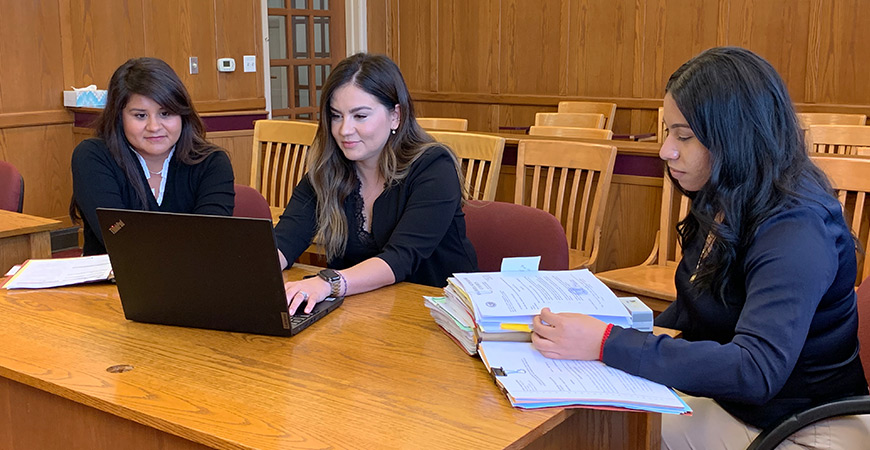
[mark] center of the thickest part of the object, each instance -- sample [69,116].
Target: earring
[393,131]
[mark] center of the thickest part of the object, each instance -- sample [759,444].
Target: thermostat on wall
[226,65]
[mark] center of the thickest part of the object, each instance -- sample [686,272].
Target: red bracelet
[604,339]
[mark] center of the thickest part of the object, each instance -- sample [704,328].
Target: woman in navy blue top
[765,288]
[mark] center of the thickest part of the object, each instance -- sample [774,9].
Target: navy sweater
[785,337]
[418,227]
[203,188]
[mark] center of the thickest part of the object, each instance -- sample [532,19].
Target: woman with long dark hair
[149,153]
[380,196]
[765,288]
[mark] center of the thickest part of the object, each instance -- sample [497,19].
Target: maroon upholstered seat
[250,203]
[11,188]
[499,230]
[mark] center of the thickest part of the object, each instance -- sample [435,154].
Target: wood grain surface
[376,373]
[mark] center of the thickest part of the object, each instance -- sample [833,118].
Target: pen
[517,327]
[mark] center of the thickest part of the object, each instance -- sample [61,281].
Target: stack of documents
[46,273]
[532,380]
[500,305]
[491,314]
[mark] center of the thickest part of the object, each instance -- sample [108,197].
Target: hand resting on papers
[567,335]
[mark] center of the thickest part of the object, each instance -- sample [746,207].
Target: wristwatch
[333,278]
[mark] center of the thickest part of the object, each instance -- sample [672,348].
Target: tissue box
[89,99]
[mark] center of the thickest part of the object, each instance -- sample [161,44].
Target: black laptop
[214,272]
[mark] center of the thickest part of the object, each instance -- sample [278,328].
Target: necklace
[159,172]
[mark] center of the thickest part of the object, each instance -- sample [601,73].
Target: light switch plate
[250,62]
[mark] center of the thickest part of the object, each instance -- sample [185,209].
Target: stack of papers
[532,380]
[46,273]
[497,305]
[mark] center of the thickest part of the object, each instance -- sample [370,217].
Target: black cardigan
[203,188]
[418,227]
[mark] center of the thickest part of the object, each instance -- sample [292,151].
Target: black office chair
[11,188]
[770,438]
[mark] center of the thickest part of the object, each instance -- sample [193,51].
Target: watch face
[329,275]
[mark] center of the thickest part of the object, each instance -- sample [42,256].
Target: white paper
[497,297]
[43,273]
[521,264]
[530,377]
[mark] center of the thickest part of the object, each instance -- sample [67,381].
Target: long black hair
[152,78]
[738,107]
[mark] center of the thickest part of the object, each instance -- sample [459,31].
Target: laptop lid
[213,272]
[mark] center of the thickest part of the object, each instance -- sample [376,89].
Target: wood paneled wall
[48,46]
[497,62]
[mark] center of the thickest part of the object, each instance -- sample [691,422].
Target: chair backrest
[574,132]
[480,156]
[660,133]
[570,180]
[250,203]
[839,139]
[863,292]
[501,230]
[278,161]
[11,188]
[577,120]
[809,119]
[675,207]
[443,123]
[605,108]
[850,178]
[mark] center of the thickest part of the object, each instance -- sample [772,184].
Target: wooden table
[376,373]
[23,237]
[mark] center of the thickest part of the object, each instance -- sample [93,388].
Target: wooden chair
[577,120]
[481,160]
[503,230]
[574,132]
[850,178]
[443,123]
[605,108]
[809,119]
[571,181]
[278,161]
[839,139]
[653,280]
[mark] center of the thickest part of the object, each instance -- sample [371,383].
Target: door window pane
[277,37]
[320,4]
[302,87]
[300,4]
[321,72]
[300,37]
[276,4]
[321,37]
[280,98]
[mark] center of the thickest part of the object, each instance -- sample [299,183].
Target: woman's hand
[567,335]
[309,291]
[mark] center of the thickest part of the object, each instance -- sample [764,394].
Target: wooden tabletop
[16,224]
[376,373]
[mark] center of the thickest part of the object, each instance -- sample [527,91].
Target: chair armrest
[773,436]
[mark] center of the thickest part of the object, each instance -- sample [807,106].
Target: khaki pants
[711,427]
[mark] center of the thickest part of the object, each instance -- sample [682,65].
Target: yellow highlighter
[517,327]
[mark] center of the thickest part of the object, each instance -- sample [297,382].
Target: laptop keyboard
[301,321]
